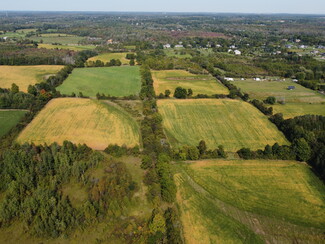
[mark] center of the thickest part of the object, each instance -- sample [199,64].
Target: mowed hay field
[69,47]
[231,123]
[278,89]
[291,110]
[94,123]
[252,201]
[8,119]
[23,76]
[200,84]
[106,57]
[115,81]
[60,38]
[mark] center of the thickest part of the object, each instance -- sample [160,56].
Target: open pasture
[291,110]
[23,76]
[177,52]
[94,123]
[252,201]
[115,81]
[106,57]
[50,38]
[278,89]
[200,84]
[8,119]
[69,47]
[231,123]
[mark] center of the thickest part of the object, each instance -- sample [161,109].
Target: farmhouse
[179,46]
[257,79]
[167,46]
[291,88]
[237,52]
[229,79]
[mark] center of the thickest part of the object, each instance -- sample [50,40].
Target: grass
[69,47]
[94,123]
[291,110]
[231,123]
[8,119]
[177,52]
[25,75]
[106,57]
[18,34]
[115,81]
[263,89]
[140,205]
[76,192]
[236,201]
[64,39]
[200,84]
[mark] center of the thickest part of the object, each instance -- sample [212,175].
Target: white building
[167,46]
[229,79]
[237,52]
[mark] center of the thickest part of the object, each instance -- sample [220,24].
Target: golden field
[200,84]
[97,124]
[23,76]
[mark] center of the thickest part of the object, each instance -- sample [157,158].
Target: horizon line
[162,12]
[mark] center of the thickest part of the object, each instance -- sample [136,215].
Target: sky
[216,6]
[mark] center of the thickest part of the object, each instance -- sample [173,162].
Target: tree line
[306,134]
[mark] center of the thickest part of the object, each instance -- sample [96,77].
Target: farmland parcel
[255,201]
[200,84]
[231,123]
[8,119]
[115,81]
[25,75]
[94,123]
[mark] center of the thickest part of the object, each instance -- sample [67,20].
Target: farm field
[115,81]
[252,201]
[263,89]
[231,123]
[23,76]
[8,119]
[291,110]
[106,57]
[57,38]
[94,123]
[200,84]
[69,47]
[18,34]
[176,52]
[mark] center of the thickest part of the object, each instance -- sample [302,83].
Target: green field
[69,47]
[231,123]
[64,39]
[177,52]
[25,75]
[263,89]
[291,110]
[97,124]
[255,201]
[8,119]
[115,81]
[18,34]
[200,84]
[106,57]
